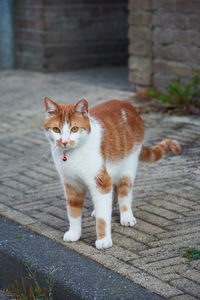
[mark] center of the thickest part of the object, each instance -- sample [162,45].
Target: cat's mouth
[67,147]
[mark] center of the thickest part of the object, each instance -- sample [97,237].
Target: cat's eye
[56,129]
[75,129]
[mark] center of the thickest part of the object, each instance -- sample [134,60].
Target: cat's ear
[81,107]
[50,107]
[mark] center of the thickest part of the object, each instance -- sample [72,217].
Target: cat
[98,151]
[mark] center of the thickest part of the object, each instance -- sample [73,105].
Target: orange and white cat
[97,151]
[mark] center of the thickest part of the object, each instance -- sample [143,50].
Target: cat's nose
[64,143]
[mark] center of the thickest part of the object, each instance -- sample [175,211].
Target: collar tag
[64,156]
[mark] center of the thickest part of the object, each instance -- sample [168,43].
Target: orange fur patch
[74,201]
[59,142]
[123,208]
[67,113]
[124,187]
[174,146]
[103,181]
[101,228]
[122,128]
[71,143]
[80,121]
[160,150]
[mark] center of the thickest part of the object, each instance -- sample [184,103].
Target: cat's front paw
[104,243]
[71,236]
[127,219]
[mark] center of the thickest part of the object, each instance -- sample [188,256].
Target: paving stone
[133,233]
[195,264]
[187,286]
[147,227]
[45,171]
[177,227]
[152,218]
[170,205]
[193,275]
[50,220]
[178,233]
[155,285]
[178,239]
[179,269]
[17,216]
[188,219]
[128,243]
[29,206]
[165,263]
[145,260]
[169,277]
[55,211]
[183,297]
[121,253]
[47,231]
[160,211]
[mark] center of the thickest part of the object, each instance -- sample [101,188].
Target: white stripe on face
[65,133]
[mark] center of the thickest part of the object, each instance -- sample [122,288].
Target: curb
[76,277]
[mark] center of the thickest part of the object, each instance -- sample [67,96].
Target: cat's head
[67,126]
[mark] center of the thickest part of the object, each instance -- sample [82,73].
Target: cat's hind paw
[71,236]
[127,219]
[103,243]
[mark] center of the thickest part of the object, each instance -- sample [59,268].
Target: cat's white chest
[71,168]
[83,163]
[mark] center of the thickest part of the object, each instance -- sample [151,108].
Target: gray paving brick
[133,233]
[173,240]
[170,205]
[193,275]
[169,277]
[121,253]
[50,220]
[152,218]
[160,211]
[147,227]
[155,285]
[165,263]
[55,211]
[175,232]
[128,243]
[45,171]
[187,286]
[183,297]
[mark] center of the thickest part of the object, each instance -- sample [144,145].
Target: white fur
[84,162]
[124,117]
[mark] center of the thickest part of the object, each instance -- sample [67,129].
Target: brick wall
[29,33]
[68,34]
[0,48]
[164,40]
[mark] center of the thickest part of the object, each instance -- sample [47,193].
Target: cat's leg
[103,212]
[102,198]
[114,201]
[125,194]
[74,209]
[125,190]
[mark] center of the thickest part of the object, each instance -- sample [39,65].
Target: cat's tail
[160,150]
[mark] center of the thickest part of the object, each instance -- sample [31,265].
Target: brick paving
[167,201]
